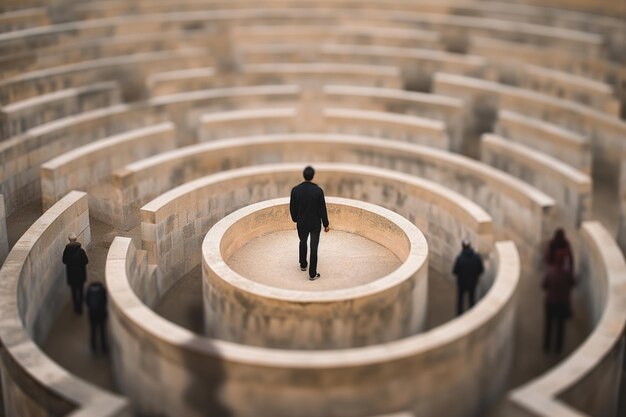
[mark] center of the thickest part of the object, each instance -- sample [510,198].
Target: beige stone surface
[417,64]
[555,37]
[238,379]
[605,132]
[570,188]
[89,168]
[430,106]
[595,94]
[244,309]
[130,67]
[79,50]
[343,34]
[174,224]
[599,69]
[22,19]
[390,126]
[22,156]
[558,48]
[555,82]
[347,260]
[548,138]
[20,116]
[32,291]
[220,125]
[596,366]
[504,11]
[185,109]
[308,74]
[524,210]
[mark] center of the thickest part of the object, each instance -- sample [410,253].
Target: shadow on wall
[204,393]
[131,83]
[417,79]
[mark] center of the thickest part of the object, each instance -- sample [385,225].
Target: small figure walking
[468,267]
[75,260]
[308,209]
[96,300]
[557,283]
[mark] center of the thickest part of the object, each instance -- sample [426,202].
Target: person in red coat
[557,284]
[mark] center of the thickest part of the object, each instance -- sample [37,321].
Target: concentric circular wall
[167,136]
[248,308]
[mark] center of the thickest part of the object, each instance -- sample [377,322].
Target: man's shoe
[315,277]
[303,269]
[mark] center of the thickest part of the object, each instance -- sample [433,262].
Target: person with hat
[75,260]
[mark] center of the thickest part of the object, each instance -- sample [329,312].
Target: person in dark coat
[96,300]
[557,284]
[468,267]
[308,209]
[75,260]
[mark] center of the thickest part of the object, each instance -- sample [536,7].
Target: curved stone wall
[65,67]
[570,188]
[588,380]
[89,167]
[32,292]
[308,74]
[238,380]
[605,132]
[526,212]
[238,309]
[174,224]
[570,147]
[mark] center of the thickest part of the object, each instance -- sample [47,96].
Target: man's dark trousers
[77,297]
[555,314]
[303,234]
[471,292]
[98,328]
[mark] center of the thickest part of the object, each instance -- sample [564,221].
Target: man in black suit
[308,209]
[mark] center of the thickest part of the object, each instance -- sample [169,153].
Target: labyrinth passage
[167,136]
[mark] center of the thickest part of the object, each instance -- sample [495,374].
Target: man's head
[72,237]
[466,243]
[308,173]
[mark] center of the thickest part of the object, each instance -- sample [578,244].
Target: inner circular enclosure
[381,307]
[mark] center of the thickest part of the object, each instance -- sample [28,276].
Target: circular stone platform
[344,260]
[373,288]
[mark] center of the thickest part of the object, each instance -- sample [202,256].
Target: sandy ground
[345,260]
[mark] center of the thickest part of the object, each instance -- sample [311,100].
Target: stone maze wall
[185,214]
[241,311]
[32,293]
[165,127]
[293,377]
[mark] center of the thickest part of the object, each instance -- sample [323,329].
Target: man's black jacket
[307,206]
[467,268]
[75,259]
